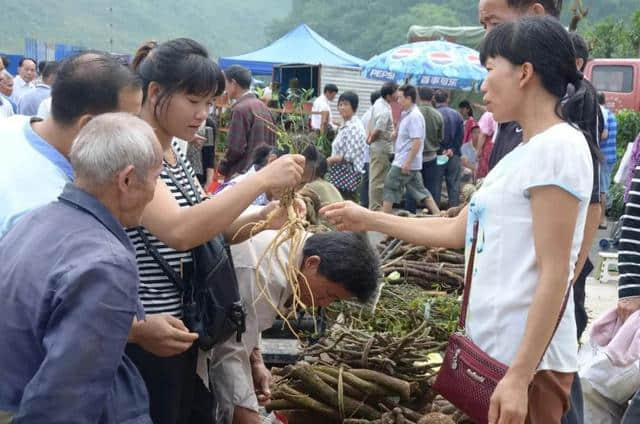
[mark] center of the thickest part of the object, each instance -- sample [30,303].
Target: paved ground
[600,296]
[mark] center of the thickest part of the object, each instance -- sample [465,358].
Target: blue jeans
[632,416]
[364,187]
[451,173]
[430,177]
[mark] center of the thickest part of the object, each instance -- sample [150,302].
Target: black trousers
[177,395]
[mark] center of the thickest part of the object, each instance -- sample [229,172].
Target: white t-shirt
[321,104]
[366,118]
[44,110]
[505,274]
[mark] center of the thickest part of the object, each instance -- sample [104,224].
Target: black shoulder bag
[211,304]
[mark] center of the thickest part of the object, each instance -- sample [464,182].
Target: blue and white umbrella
[436,64]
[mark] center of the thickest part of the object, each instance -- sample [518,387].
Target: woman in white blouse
[350,143]
[531,211]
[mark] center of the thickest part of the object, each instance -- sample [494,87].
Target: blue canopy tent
[302,45]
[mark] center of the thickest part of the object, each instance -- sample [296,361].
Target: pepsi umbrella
[436,64]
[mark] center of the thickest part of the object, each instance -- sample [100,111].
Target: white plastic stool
[608,260]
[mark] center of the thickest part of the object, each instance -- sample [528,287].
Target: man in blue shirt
[450,147]
[70,286]
[608,149]
[31,100]
[33,166]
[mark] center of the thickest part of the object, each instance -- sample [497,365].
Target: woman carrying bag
[180,83]
[346,163]
[525,225]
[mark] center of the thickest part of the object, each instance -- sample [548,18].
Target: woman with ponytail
[180,83]
[530,214]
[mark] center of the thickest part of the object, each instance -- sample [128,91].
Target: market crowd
[111,187]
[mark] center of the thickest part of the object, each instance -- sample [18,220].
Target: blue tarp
[302,45]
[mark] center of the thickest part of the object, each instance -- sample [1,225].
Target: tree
[609,38]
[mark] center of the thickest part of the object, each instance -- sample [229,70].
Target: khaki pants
[549,397]
[379,165]
[5,417]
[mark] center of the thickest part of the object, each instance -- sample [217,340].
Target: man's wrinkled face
[495,12]
[28,70]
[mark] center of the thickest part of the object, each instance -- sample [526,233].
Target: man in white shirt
[321,116]
[379,132]
[25,79]
[31,100]
[366,118]
[336,265]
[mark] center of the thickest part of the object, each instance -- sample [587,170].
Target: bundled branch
[342,395]
[429,268]
[406,358]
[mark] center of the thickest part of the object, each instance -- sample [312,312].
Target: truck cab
[618,79]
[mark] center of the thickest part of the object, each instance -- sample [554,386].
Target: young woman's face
[185,113]
[501,88]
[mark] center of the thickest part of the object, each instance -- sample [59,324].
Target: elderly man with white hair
[70,286]
[7,107]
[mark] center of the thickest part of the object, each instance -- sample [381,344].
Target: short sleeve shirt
[382,119]
[505,273]
[411,126]
[321,104]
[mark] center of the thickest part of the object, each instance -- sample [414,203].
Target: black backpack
[211,303]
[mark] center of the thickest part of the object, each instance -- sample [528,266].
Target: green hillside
[224,26]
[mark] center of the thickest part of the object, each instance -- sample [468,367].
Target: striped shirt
[157,292]
[629,253]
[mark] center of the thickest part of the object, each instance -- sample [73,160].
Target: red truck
[618,79]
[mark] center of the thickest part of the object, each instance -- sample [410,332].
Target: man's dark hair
[89,83]
[375,96]
[51,68]
[351,98]
[409,91]
[552,7]
[41,65]
[388,88]
[5,61]
[348,259]
[581,47]
[426,94]
[321,166]
[239,74]
[441,96]
[601,98]
[330,88]
[26,58]
[466,105]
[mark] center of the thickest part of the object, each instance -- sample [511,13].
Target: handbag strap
[171,274]
[467,291]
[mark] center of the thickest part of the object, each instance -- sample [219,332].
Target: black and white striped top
[157,293]
[629,253]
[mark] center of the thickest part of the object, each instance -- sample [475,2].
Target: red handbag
[468,376]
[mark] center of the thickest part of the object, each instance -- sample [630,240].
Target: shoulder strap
[192,183]
[175,279]
[467,290]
